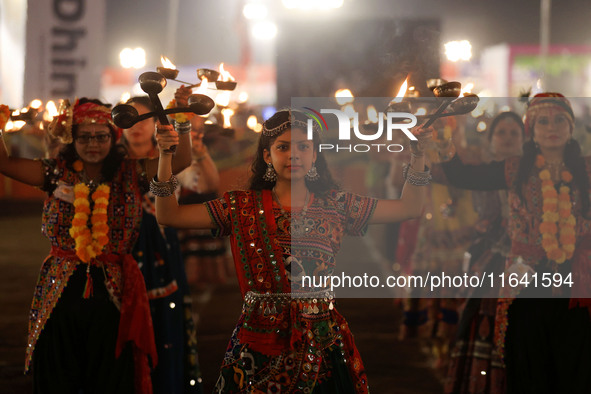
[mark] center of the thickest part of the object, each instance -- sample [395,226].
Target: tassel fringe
[88,290]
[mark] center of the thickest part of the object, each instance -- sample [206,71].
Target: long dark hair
[282,120]
[112,161]
[572,160]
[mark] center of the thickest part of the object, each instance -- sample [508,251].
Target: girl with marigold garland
[544,343]
[289,224]
[90,328]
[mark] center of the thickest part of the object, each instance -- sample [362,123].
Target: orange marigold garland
[558,222]
[180,117]
[90,243]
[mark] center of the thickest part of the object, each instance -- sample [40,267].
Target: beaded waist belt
[308,302]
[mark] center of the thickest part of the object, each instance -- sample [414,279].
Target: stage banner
[64,49]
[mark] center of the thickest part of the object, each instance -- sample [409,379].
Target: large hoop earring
[312,174]
[270,174]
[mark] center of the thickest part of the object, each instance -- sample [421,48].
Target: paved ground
[392,366]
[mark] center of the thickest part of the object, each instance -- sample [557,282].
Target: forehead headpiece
[544,101]
[287,119]
[78,114]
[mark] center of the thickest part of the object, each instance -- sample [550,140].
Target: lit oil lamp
[227,81]
[202,89]
[168,69]
[26,115]
[434,82]
[227,116]
[152,83]
[447,91]
[207,73]
[398,104]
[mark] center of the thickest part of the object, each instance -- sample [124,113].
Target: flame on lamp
[227,114]
[467,89]
[372,114]
[225,75]
[36,104]
[16,125]
[50,111]
[202,89]
[344,96]
[124,97]
[222,99]
[166,63]
[401,92]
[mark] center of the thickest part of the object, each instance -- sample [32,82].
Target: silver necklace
[298,225]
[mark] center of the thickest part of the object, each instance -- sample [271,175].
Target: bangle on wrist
[416,178]
[182,127]
[163,189]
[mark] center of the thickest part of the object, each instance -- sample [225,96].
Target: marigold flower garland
[180,117]
[557,215]
[90,244]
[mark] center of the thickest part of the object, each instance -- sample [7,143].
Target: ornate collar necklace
[298,224]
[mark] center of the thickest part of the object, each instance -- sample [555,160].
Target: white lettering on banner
[64,49]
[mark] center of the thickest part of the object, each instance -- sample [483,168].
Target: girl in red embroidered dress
[288,224]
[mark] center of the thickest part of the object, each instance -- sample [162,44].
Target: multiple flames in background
[38,115]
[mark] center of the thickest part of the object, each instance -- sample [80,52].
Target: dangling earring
[270,174]
[312,175]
